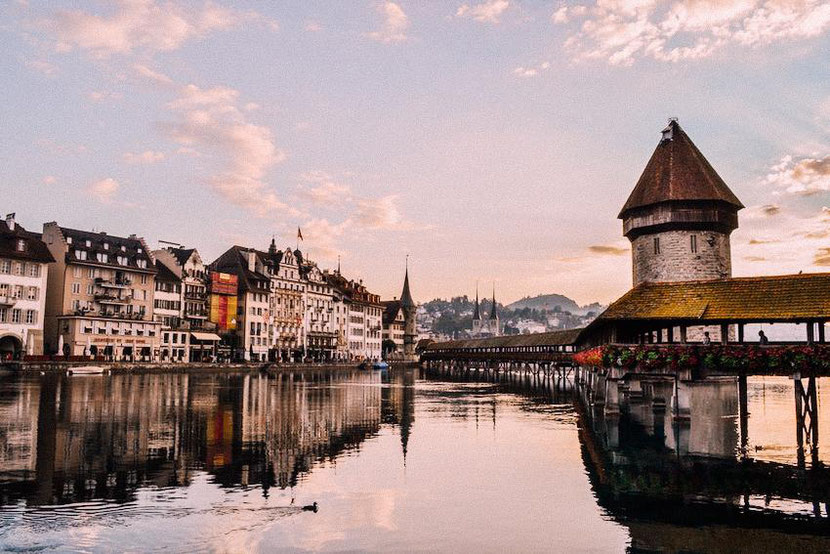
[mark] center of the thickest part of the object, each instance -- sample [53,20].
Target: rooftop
[762,299]
[677,171]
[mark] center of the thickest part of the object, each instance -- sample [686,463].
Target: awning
[205,336]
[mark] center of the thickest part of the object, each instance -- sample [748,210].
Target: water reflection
[73,439]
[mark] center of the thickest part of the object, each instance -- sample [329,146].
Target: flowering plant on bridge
[731,358]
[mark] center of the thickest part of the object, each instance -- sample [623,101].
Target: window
[20,269]
[76,288]
[76,304]
[106,246]
[143,265]
[31,317]
[80,254]
[144,277]
[21,245]
[5,266]
[34,270]
[18,291]
[77,271]
[4,313]
[656,245]
[122,260]
[103,258]
[32,293]
[88,243]
[68,240]
[90,289]
[693,240]
[16,315]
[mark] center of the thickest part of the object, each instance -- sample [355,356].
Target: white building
[24,260]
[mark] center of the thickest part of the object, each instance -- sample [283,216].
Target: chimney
[10,221]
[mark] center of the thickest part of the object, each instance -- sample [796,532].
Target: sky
[492,141]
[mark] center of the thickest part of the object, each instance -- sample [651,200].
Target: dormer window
[80,254]
[142,264]
[88,243]
[106,246]
[21,245]
[139,250]
[122,260]
[68,240]
[123,248]
[103,258]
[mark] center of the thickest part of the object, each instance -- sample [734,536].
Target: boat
[380,365]
[87,370]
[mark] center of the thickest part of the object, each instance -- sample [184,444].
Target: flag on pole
[299,234]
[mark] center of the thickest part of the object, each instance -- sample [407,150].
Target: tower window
[656,245]
[693,243]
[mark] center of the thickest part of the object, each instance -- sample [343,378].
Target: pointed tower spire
[406,296]
[477,311]
[493,313]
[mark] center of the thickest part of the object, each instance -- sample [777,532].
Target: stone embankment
[162,367]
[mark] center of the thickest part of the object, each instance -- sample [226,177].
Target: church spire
[493,313]
[477,311]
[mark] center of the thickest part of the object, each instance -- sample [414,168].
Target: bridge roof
[552,338]
[779,298]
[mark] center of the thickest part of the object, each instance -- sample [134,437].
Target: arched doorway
[10,347]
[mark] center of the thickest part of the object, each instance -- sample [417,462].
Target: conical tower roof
[406,296]
[677,171]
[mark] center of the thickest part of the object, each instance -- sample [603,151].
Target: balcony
[195,295]
[116,284]
[196,314]
[112,299]
[7,300]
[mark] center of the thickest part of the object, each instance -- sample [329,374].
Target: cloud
[805,176]
[531,71]
[50,180]
[621,31]
[325,191]
[146,157]
[42,66]
[608,250]
[322,236]
[486,12]
[822,257]
[104,190]
[394,25]
[141,25]
[102,95]
[378,213]
[151,75]
[210,118]
[313,27]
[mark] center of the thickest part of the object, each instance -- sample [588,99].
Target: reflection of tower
[407,416]
[409,308]
[680,215]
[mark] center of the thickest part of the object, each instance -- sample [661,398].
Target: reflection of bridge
[649,469]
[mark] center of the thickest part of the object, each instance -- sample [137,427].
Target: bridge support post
[681,400]
[599,390]
[612,395]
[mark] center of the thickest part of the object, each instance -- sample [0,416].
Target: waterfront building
[318,322]
[167,310]
[253,301]
[287,303]
[99,298]
[24,260]
[363,315]
[679,215]
[187,265]
[394,323]
[223,290]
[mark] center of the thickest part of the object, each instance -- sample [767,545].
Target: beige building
[100,295]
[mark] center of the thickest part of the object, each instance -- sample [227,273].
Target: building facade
[100,296]
[167,310]
[318,322]
[24,261]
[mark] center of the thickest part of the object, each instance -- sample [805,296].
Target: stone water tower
[680,215]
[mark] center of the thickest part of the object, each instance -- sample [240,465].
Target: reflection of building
[65,440]
[100,295]
[24,260]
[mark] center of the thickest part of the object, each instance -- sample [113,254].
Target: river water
[400,461]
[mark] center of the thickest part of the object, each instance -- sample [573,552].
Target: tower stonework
[680,215]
